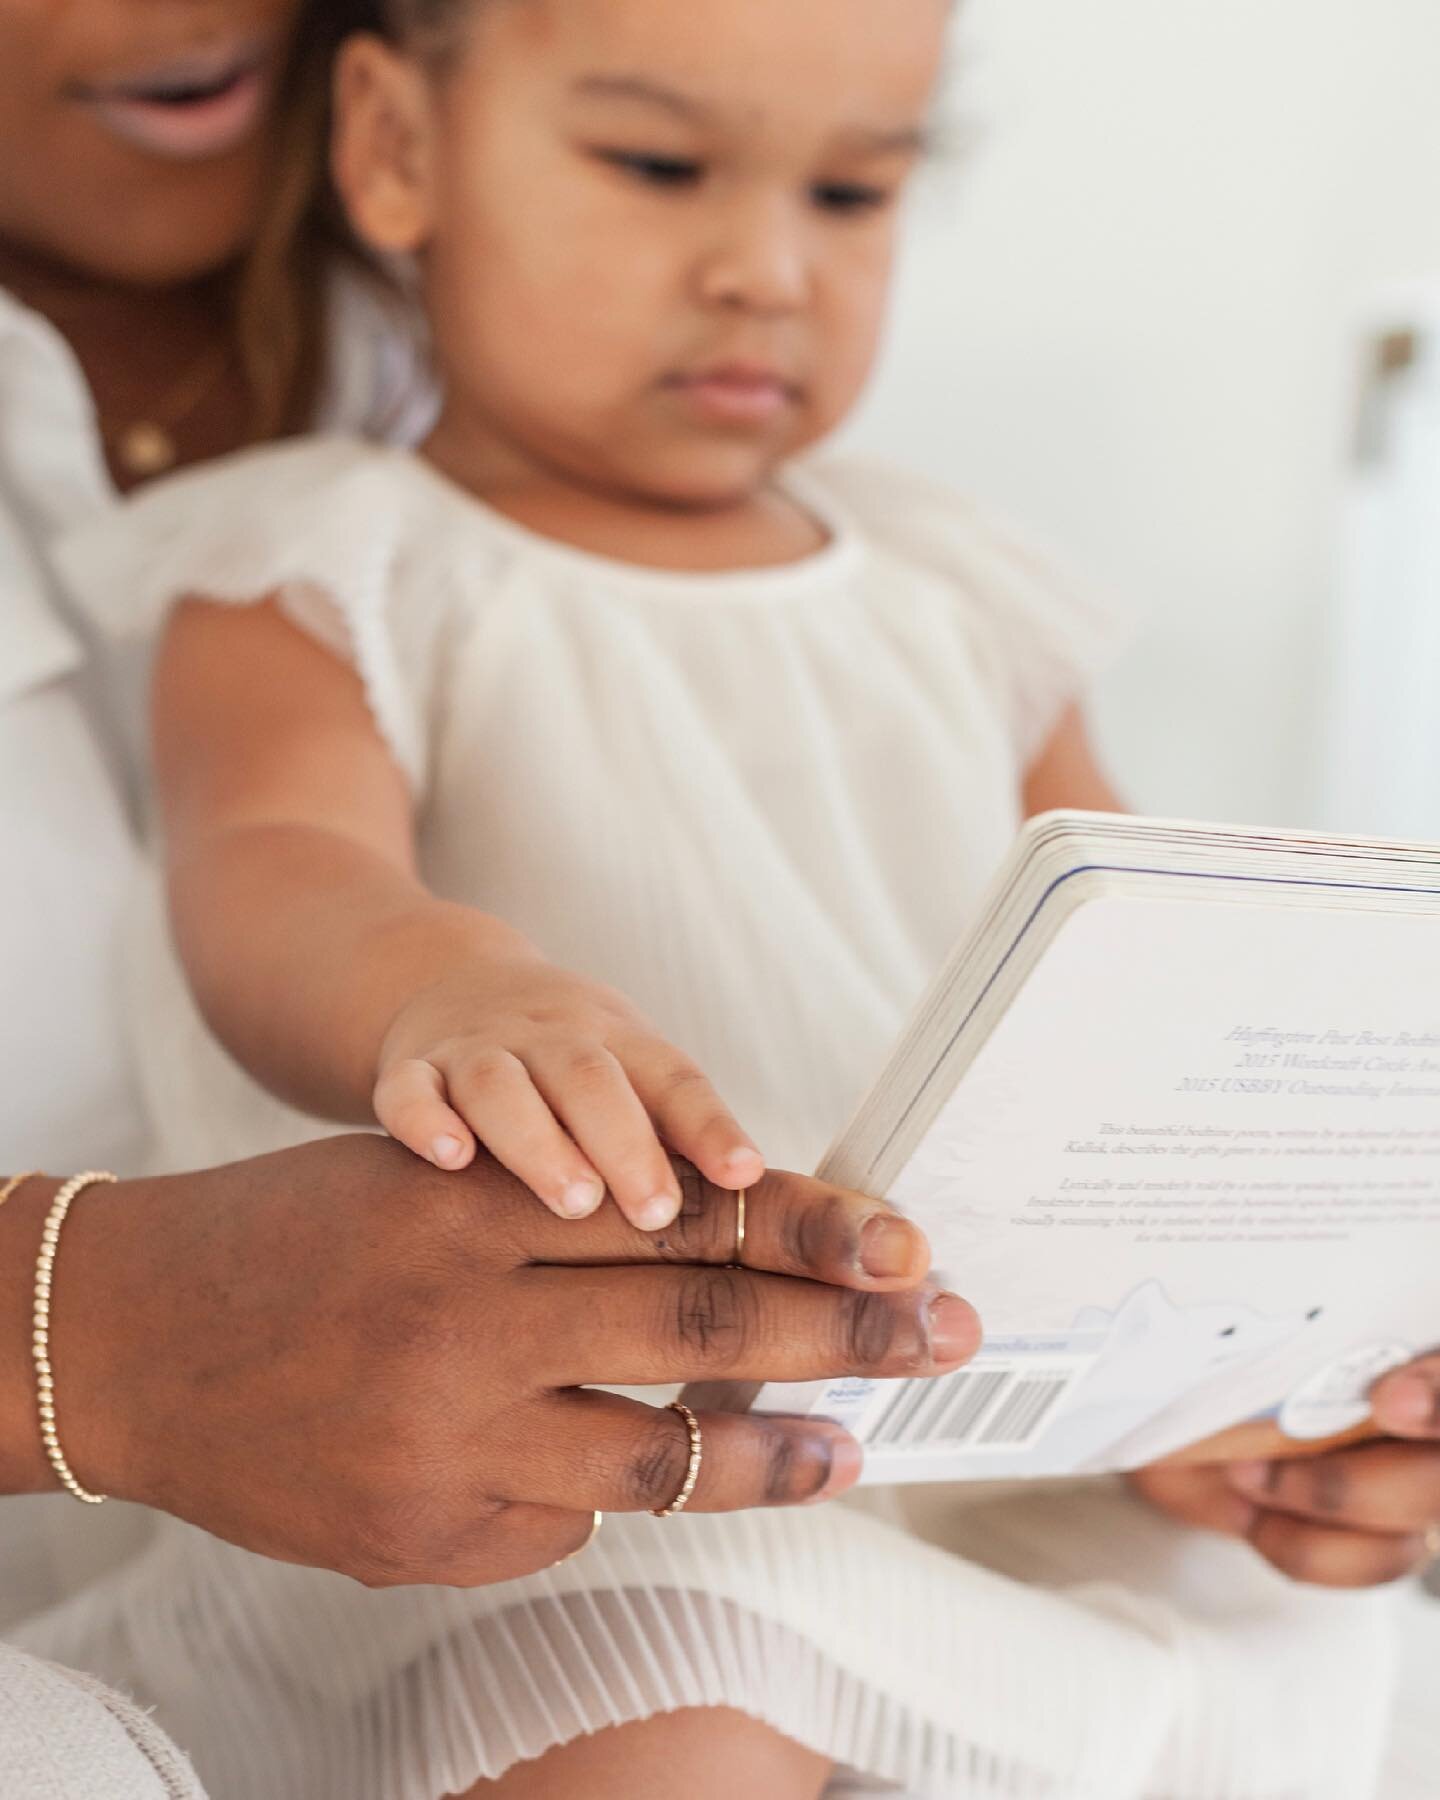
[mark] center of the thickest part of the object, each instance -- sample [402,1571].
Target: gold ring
[692,1468]
[739,1262]
[580,1549]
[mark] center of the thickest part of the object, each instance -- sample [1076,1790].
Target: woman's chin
[165,244]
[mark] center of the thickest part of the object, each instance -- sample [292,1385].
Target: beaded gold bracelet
[44,1373]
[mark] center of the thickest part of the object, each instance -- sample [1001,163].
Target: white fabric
[69,1098]
[762,804]
[779,792]
[65,1737]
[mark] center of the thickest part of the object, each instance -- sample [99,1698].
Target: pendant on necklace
[146,449]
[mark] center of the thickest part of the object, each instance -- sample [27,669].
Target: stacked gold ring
[692,1468]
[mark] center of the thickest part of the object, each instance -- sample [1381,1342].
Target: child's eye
[655,171]
[849,197]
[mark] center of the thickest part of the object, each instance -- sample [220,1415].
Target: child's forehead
[866,63]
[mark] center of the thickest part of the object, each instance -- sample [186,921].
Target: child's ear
[382,152]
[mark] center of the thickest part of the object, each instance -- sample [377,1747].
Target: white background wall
[1128,321]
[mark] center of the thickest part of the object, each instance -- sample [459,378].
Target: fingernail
[1407,1401]
[954,1329]
[581,1199]
[1251,1477]
[847,1461]
[446,1151]
[889,1247]
[746,1162]
[656,1214]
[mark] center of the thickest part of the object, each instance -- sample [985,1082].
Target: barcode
[993,1409]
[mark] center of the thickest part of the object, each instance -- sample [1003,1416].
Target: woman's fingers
[410,1103]
[1312,1543]
[1407,1402]
[1199,1494]
[604,1453]
[690,1116]
[1332,1556]
[592,1096]
[1382,1487]
[636,1326]
[794,1225]
[500,1101]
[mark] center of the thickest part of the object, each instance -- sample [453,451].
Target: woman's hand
[563,1082]
[340,1357]
[1352,1518]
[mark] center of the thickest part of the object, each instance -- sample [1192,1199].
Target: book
[1170,1116]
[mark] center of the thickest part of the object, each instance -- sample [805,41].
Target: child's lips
[738,393]
[189,109]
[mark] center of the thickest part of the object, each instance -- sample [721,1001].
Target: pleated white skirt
[1153,1664]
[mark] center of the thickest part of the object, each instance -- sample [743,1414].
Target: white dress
[763,804]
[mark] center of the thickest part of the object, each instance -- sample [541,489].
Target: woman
[136,144]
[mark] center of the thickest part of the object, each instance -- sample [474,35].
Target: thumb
[1406,1402]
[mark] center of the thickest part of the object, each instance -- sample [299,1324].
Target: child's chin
[708,482]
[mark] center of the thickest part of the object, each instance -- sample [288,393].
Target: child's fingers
[690,1116]
[592,1096]
[410,1103]
[500,1101]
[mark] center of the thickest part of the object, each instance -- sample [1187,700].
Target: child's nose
[760,263]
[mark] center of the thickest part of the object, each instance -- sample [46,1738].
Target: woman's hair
[281,309]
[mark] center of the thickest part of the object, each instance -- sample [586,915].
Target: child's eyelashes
[655,171]
[680,174]
[850,198]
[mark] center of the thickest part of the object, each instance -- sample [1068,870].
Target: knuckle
[695,1234]
[680,1079]
[879,1334]
[480,1072]
[796,1468]
[590,1066]
[714,1317]
[656,1467]
[1324,1487]
[819,1236]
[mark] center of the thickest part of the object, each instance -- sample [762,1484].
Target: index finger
[793,1226]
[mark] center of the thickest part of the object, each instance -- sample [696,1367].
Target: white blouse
[68,1096]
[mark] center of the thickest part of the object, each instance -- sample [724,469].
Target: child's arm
[326,967]
[1067,774]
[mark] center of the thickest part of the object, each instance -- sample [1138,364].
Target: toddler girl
[604,748]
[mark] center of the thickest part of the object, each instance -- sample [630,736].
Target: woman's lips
[737,394]
[189,109]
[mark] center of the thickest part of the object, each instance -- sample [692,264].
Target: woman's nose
[760,263]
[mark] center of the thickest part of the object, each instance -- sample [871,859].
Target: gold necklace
[147,447]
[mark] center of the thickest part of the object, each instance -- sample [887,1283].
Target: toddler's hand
[565,1083]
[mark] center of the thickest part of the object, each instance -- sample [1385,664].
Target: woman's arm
[23,1468]
[323,963]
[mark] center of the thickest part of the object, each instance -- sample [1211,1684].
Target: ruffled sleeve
[1041,639]
[330,529]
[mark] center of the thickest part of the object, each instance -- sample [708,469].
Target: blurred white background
[1131,320]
